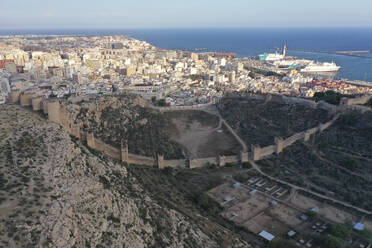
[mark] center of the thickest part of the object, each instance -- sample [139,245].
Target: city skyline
[40,14]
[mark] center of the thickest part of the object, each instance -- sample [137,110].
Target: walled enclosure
[57,113]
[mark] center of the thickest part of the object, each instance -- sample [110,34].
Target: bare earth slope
[54,192]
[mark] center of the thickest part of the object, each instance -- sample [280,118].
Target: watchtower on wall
[279,145]
[54,111]
[256,152]
[307,136]
[14,96]
[244,157]
[221,160]
[124,151]
[161,164]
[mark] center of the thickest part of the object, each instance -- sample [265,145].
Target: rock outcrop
[55,192]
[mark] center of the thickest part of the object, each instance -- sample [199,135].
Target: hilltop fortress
[60,111]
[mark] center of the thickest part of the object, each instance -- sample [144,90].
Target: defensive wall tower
[26,99]
[244,156]
[221,160]
[307,136]
[14,96]
[124,151]
[53,108]
[256,152]
[37,103]
[160,161]
[279,145]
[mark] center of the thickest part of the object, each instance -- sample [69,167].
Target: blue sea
[250,42]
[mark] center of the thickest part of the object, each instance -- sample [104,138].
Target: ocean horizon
[249,42]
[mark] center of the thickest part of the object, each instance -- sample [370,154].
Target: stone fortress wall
[280,143]
[58,113]
[258,152]
[290,100]
[191,107]
[355,103]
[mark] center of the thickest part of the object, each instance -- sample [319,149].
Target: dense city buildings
[45,66]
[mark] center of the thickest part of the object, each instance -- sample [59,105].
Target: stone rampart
[174,108]
[141,160]
[355,101]
[296,100]
[37,103]
[280,144]
[267,150]
[112,151]
[328,107]
[175,163]
[292,139]
[14,96]
[26,99]
[53,108]
[201,162]
[232,159]
[359,108]
[289,100]
[60,115]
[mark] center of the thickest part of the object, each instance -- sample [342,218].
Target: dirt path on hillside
[203,141]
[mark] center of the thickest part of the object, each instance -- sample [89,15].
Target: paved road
[256,167]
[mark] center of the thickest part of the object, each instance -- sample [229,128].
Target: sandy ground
[286,214]
[267,223]
[255,212]
[325,210]
[203,141]
[227,190]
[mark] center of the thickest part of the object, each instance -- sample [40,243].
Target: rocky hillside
[337,162]
[125,117]
[54,192]
[258,121]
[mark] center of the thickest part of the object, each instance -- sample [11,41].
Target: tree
[161,102]
[168,171]
[366,235]
[342,231]
[282,243]
[153,99]
[329,96]
[312,215]
[330,241]
[251,74]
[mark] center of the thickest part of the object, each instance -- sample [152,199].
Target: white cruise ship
[321,67]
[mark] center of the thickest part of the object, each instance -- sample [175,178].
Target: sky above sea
[180,14]
[249,42]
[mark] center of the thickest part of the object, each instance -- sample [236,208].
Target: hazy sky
[43,14]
